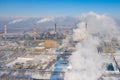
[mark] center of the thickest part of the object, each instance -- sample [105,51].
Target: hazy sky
[19,8]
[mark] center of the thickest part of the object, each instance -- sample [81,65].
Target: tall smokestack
[55,27]
[35,32]
[86,25]
[55,31]
[5,31]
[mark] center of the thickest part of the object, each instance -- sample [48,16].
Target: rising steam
[85,61]
[16,21]
[46,19]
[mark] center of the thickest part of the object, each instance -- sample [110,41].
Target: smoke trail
[85,61]
[46,19]
[16,21]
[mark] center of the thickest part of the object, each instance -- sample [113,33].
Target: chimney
[5,31]
[35,32]
[55,31]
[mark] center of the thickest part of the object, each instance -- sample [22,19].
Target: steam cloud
[96,24]
[16,21]
[46,19]
[85,61]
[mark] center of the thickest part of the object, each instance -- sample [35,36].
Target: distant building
[51,43]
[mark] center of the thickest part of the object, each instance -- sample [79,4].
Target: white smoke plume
[85,61]
[80,33]
[17,21]
[45,19]
[98,23]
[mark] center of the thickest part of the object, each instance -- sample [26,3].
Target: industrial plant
[33,56]
[78,53]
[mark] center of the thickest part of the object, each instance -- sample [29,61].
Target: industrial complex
[33,56]
[45,56]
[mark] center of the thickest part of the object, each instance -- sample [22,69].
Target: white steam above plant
[85,62]
[17,21]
